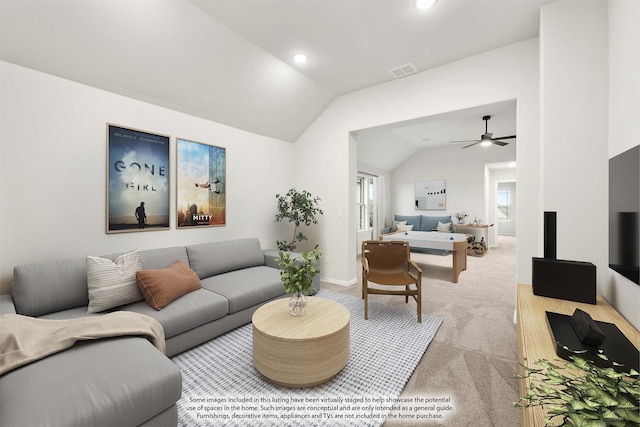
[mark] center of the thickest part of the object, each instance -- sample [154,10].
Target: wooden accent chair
[389,263]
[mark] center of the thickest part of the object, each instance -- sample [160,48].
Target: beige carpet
[472,359]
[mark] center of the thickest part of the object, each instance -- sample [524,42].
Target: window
[504,205]
[365,187]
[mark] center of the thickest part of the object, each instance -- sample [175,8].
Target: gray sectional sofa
[126,381]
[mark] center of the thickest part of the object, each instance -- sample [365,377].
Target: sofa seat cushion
[187,312]
[247,287]
[108,382]
[71,313]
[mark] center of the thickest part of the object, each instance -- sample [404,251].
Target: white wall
[574,111]
[52,171]
[624,126]
[464,171]
[326,157]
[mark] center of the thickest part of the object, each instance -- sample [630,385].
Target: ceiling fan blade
[500,143]
[466,140]
[506,137]
[471,145]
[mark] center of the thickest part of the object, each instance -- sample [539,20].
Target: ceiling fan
[486,138]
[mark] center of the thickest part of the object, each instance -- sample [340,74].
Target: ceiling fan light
[424,4]
[300,58]
[485,142]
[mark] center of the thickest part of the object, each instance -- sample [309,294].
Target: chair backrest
[388,256]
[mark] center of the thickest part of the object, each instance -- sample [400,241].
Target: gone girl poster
[137,179]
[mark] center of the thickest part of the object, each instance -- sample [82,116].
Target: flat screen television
[624,207]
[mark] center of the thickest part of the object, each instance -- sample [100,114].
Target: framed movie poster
[201,185]
[431,195]
[137,180]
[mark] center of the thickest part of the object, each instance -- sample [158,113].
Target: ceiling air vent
[403,70]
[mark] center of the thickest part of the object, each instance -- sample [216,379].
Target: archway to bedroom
[398,162]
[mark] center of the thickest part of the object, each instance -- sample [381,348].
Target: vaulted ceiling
[230,61]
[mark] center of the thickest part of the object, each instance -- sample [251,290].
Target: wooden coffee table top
[324,317]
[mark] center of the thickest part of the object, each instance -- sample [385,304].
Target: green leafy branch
[300,208]
[583,394]
[298,272]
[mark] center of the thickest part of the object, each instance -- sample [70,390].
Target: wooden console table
[534,337]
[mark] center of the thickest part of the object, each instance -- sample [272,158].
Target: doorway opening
[367,207]
[505,208]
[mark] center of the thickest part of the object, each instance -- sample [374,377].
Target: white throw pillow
[396,224]
[112,283]
[405,227]
[444,228]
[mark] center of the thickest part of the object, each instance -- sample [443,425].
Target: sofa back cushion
[153,259]
[209,259]
[47,287]
[411,220]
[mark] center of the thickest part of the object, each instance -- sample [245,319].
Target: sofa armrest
[271,257]
[270,260]
[6,304]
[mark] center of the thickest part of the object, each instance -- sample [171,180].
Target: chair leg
[366,304]
[365,280]
[406,297]
[419,301]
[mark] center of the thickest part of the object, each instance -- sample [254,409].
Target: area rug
[222,388]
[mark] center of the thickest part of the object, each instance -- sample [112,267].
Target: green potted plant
[580,393]
[300,208]
[297,276]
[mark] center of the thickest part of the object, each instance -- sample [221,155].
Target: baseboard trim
[339,282]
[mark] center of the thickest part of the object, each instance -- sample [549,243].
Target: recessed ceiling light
[300,58]
[424,4]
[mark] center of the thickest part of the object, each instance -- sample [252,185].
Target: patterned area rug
[222,388]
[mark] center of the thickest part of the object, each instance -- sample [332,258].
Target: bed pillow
[444,228]
[397,224]
[163,286]
[112,283]
[405,227]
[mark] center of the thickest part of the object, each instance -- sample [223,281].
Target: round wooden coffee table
[301,351]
